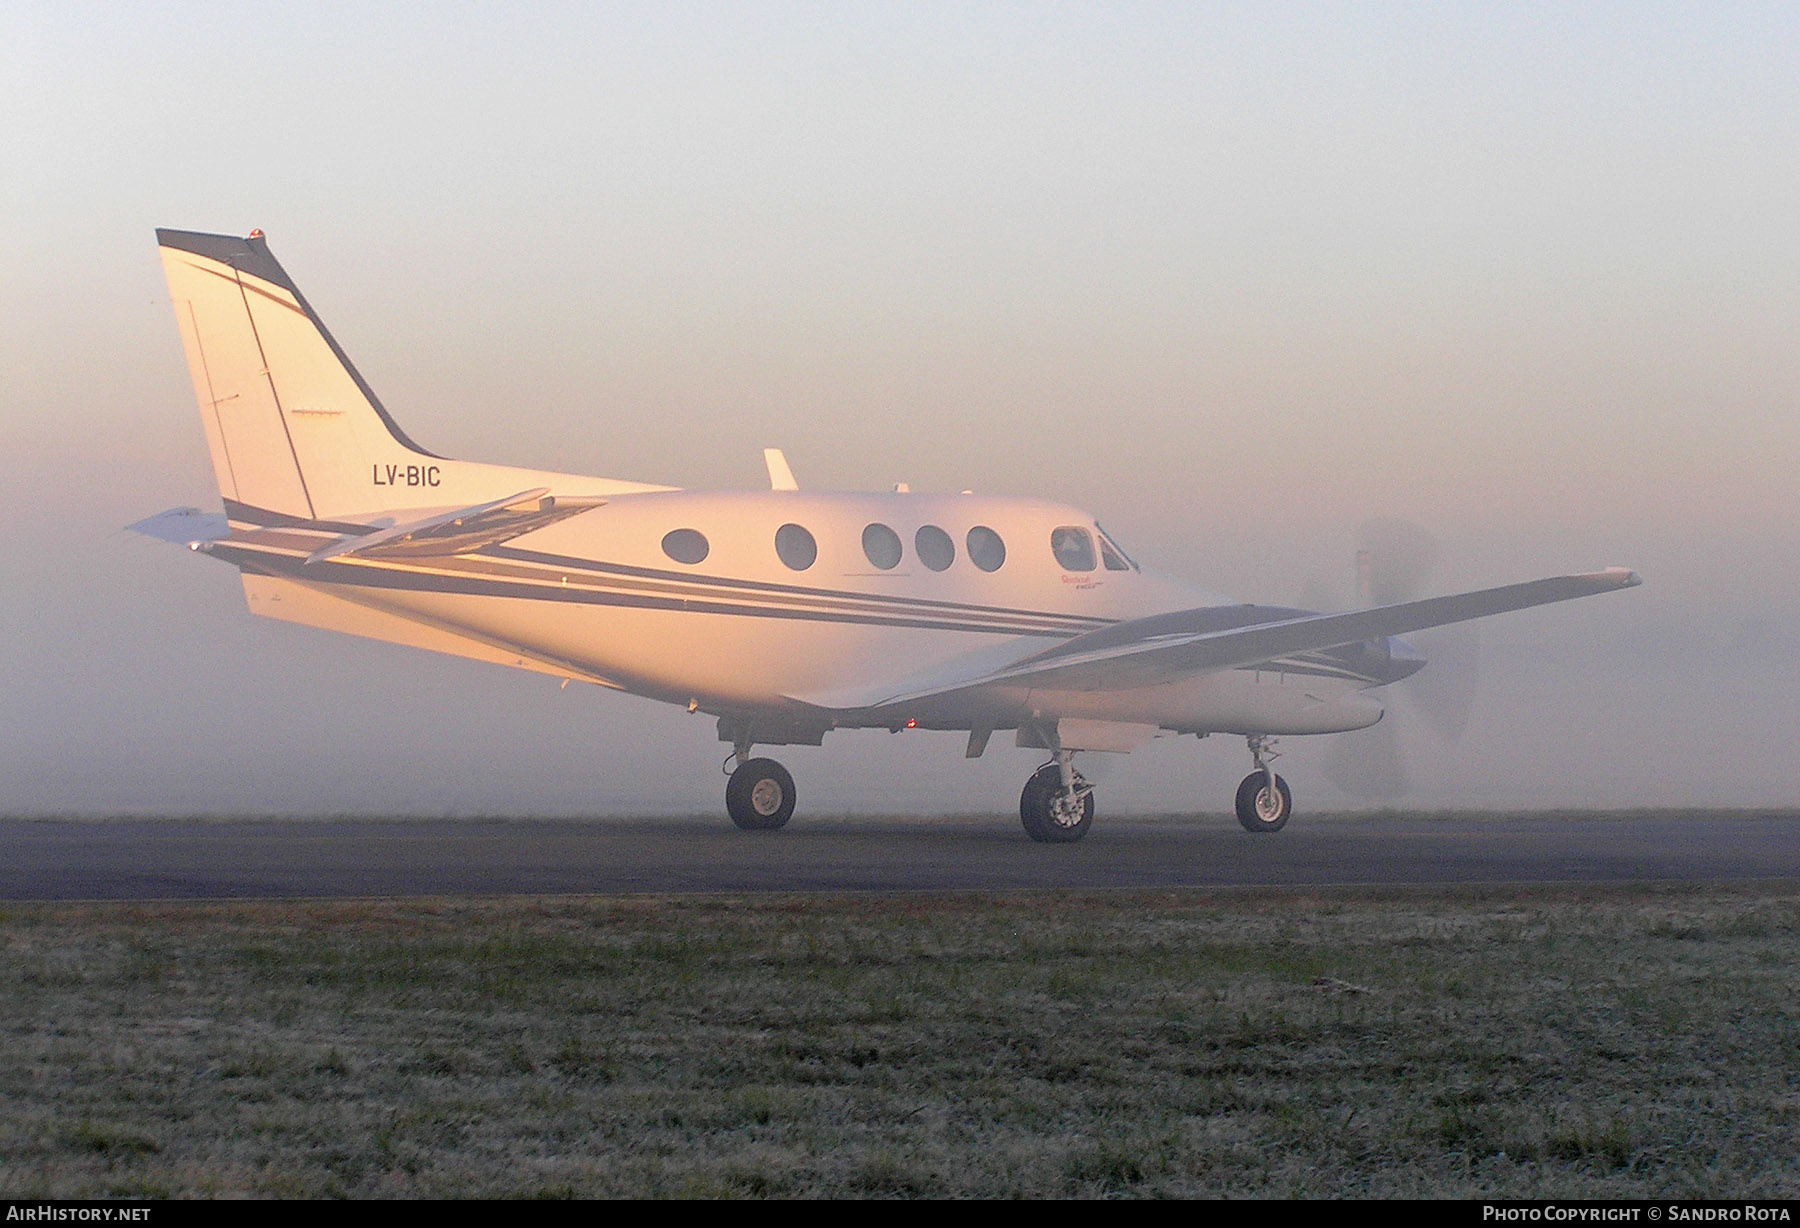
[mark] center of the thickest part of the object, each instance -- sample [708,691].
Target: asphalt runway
[136,859]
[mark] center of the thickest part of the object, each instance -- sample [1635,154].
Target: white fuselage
[339,520]
[753,631]
[744,633]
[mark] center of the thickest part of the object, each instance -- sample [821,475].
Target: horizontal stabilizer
[460,530]
[185,526]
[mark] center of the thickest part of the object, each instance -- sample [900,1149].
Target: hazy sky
[1236,278]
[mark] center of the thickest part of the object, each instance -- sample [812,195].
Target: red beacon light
[257,233]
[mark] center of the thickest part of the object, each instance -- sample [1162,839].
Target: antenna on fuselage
[780,476]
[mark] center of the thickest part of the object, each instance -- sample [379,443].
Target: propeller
[1395,561]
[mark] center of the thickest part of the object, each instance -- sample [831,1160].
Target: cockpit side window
[1110,553]
[1073,548]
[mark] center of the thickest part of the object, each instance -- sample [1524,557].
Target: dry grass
[1556,1041]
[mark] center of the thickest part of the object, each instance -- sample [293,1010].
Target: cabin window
[934,547]
[882,547]
[796,547]
[986,550]
[686,546]
[1073,548]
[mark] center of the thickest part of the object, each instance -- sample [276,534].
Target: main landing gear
[1057,806]
[1263,800]
[759,796]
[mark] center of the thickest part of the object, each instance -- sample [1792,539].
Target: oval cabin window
[882,546]
[796,547]
[686,546]
[934,547]
[986,550]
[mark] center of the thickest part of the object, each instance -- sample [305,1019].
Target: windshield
[1115,558]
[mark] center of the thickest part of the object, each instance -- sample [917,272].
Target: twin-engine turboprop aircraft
[783,613]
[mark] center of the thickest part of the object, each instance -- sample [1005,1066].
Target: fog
[1234,281]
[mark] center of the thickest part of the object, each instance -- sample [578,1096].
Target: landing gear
[1057,806]
[1261,809]
[1263,800]
[760,795]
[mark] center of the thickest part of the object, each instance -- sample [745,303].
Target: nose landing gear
[1057,805]
[1263,800]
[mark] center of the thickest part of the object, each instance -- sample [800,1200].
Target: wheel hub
[1069,806]
[765,797]
[1268,804]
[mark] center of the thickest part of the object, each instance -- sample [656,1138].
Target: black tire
[1034,806]
[1253,810]
[760,795]
[1037,813]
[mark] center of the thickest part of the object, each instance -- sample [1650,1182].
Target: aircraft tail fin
[291,425]
[293,429]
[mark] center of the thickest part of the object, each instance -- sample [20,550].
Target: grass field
[1531,1041]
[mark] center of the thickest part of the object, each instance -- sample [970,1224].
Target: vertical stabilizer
[291,425]
[293,430]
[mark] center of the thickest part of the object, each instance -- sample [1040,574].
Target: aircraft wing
[1147,652]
